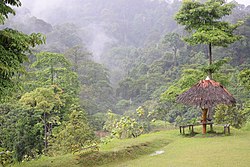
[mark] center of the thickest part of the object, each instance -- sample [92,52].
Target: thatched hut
[206,94]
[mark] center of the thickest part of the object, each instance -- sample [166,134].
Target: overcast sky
[39,7]
[50,4]
[245,2]
[53,3]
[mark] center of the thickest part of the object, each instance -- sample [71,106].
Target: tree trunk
[210,60]
[45,134]
[210,113]
[175,56]
[204,121]
[76,62]
[210,109]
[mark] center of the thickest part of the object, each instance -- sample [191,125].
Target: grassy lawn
[215,151]
[179,151]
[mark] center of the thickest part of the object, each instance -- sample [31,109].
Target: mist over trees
[106,64]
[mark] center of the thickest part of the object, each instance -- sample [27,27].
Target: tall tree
[203,21]
[174,41]
[47,102]
[76,133]
[20,131]
[14,48]
[54,69]
[78,55]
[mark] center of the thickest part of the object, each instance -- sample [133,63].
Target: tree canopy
[6,8]
[204,22]
[14,48]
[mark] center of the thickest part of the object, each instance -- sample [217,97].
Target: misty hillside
[126,22]
[125,36]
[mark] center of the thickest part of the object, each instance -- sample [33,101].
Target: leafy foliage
[6,9]
[235,116]
[47,102]
[125,127]
[54,69]
[75,135]
[204,20]
[5,157]
[244,77]
[96,93]
[175,42]
[42,99]
[14,47]
[188,79]
[21,131]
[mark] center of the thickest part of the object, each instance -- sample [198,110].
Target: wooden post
[211,127]
[204,121]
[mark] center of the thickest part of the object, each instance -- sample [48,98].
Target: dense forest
[112,66]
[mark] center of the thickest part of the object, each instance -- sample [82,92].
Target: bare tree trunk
[210,60]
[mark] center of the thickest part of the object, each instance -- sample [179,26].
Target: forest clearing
[124,83]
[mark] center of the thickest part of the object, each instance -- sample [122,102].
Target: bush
[124,127]
[6,157]
[247,126]
[233,115]
[75,135]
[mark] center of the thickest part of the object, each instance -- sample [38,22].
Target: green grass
[214,149]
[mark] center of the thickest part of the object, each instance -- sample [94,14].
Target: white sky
[43,4]
[55,2]
[245,2]
[38,7]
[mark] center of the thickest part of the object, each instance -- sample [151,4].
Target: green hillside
[187,151]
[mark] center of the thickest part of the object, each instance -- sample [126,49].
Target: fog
[49,10]
[99,25]
[245,2]
[60,12]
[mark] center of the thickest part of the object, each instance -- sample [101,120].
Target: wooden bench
[227,128]
[190,127]
[208,123]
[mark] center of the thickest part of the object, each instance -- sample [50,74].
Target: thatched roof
[205,94]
